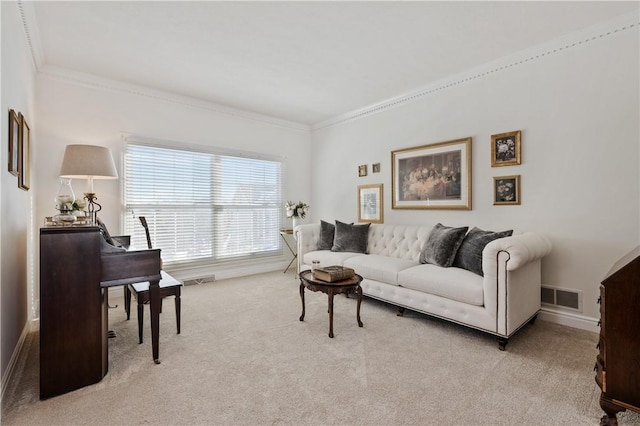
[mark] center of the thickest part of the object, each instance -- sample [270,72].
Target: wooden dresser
[618,360]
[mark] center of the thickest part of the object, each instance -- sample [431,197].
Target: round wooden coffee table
[348,286]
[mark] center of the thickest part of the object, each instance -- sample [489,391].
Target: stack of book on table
[333,273]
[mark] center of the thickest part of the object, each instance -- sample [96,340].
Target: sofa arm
[521,249]
[307,237]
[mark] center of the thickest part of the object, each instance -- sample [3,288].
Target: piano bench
[169,286]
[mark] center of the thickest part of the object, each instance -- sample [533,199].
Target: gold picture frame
[14,142]
[435,176]
[505,149]
[506,190]
[370,203]
[24,155]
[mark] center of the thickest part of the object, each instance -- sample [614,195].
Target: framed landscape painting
[435,176]
[505,149]
[370,208]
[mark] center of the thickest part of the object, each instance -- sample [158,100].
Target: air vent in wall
[562,297]
[202,280]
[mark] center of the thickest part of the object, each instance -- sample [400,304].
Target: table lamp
[88,162]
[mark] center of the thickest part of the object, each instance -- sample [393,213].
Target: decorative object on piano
[332,274]
[79,207]
[64,202]
[89,162]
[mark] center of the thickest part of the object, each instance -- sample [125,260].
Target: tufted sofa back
[399,241]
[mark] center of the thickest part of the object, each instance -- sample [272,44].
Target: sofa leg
[400,311]
[533,320]
[502,343]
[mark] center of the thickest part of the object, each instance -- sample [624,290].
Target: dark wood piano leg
[140,322]
[127,301]
[178,309]
[154,303]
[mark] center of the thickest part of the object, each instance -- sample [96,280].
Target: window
[202,206]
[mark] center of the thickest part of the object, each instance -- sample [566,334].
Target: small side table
[283,234]
[348,286]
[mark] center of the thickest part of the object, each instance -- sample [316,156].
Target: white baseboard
[569,319]
[15,356]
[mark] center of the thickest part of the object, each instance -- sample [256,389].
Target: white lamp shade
[88,162]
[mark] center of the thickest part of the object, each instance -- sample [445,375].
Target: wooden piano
[76,268]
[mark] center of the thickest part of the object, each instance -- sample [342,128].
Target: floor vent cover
[562,297]
[201,280]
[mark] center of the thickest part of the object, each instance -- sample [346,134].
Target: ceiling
[301,61]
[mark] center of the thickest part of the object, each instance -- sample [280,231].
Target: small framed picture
[14,142]
[375,168]
[362,170]
[370,207]
[506,190]
[505,149]
[24,155]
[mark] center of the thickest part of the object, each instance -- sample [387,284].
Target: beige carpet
[244,358]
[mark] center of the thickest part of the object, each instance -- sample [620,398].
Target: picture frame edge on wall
[466,192]
[379,206]
[14,142]
[516,158]
[517,184]
[24,155]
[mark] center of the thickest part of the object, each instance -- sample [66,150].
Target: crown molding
[31,33]
[559,45]
[101,83]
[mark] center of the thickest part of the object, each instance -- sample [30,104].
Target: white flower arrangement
[298,209]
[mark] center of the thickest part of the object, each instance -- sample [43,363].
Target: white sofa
[501,302]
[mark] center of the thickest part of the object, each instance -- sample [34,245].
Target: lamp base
[92,207]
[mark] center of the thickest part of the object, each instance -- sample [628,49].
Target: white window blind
[202,206]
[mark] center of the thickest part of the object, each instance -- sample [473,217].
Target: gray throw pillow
[351,238]
[442,245]
[469,255]
[327,230]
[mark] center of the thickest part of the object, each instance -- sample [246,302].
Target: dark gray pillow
[327,230]
[352,238]
[469,255]
[442,245]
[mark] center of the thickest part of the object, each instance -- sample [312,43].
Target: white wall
[16,247]
[578,109]
[81,109]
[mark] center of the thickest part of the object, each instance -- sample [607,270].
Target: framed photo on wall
[506,190]
[14,142]
[436,176]
[362,170]
[24,155]
[505,149]
[370,207]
